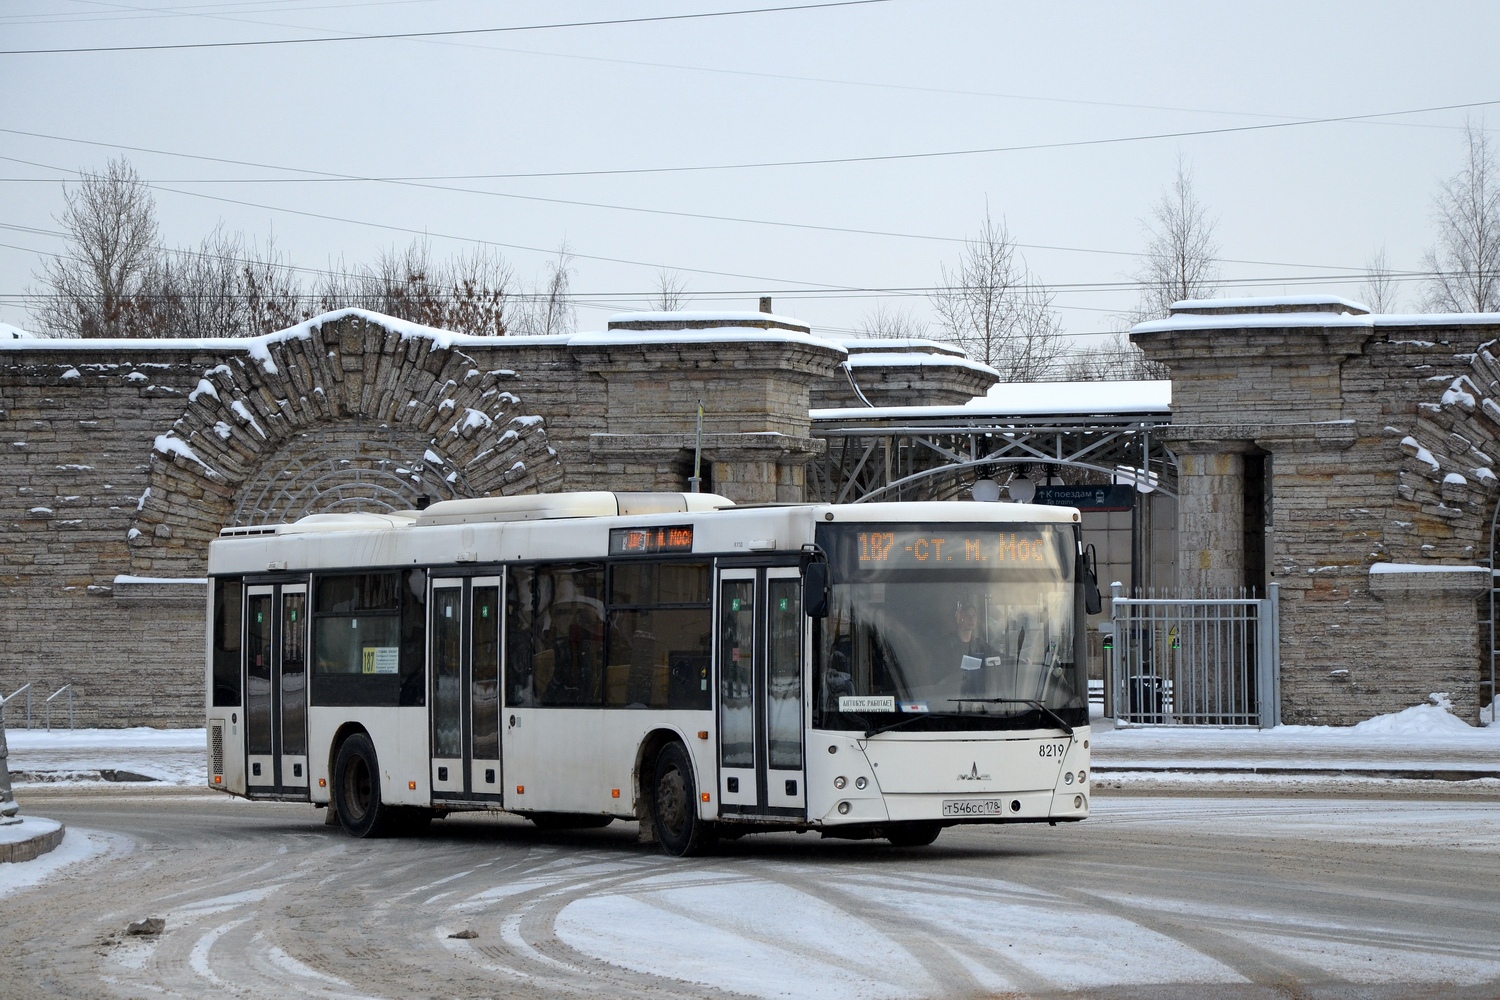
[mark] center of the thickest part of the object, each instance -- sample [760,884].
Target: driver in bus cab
[974,658]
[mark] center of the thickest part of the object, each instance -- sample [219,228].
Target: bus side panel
[575,760]
[226,750]
[400,738]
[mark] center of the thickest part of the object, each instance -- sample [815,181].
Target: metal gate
[1211,661]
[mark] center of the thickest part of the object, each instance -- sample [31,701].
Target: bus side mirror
[815,589]
[1092,603]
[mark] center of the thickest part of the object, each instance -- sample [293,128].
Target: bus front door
[276,689]
[465,695]
[762,771]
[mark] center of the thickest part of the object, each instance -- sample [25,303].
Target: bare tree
[883,323]
[549,309]
[1379,288]
[990,305]
[1114,359]
[670,292]
[1180,259]
[110,219]
[468,293]
[1465,262]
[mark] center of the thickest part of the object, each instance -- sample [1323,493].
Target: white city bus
[873,670]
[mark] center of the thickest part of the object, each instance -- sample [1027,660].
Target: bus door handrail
[23,689]
[48,704]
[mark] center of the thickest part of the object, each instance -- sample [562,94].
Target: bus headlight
[843,808]
[1082,776]
[1078,802]
[840,781]
[1068,778]
[860,783]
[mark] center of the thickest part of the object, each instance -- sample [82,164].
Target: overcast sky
[1299,208]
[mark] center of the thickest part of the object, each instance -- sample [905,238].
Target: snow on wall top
[8,332]
[898,345]
[914,359]
[1249,321]
[704,316]
[717,334]
[1025,399]
[1335,303]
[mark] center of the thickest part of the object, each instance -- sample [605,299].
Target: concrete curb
[34,846]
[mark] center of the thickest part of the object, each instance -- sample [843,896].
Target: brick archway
[348,411]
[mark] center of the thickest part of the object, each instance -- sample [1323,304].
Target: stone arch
[1447,486]
[349,411]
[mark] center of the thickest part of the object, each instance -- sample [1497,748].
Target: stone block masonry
[1375,434]
[123,459]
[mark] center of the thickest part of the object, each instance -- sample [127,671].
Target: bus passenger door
[275,651]
[465,706]
[761,766]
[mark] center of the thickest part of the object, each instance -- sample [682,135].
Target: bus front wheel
[356,789]
[674,805]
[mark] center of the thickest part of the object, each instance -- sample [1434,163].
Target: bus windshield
[944,627]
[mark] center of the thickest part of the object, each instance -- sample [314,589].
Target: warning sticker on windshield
[867,703]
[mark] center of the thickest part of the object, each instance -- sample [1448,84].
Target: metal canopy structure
[938,452]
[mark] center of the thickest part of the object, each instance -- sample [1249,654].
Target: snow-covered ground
[1424,737]
[77,845]
[39,758]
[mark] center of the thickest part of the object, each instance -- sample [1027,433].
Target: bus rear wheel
[674,805]
[913,834]
[356,789]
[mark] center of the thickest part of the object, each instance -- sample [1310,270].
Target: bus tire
[674,804]
[356,789]
[913,834]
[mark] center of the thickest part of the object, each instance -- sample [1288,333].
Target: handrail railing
[48,705]
[23,689]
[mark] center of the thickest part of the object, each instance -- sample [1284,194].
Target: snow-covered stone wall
[1375,436]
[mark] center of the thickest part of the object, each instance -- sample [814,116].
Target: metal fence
[1205,661]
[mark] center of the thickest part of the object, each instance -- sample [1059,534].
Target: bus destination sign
[935,548]
[649,541]
[881,549]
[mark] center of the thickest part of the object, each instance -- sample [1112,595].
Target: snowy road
[1153,897]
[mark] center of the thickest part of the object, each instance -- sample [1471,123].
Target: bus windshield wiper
[1022,701]
[876,730]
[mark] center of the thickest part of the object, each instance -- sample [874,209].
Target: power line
[446,33]
[327,176]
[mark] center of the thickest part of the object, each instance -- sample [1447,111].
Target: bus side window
[520,679]
[229,596]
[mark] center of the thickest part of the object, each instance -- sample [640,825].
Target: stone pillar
[1210,517]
